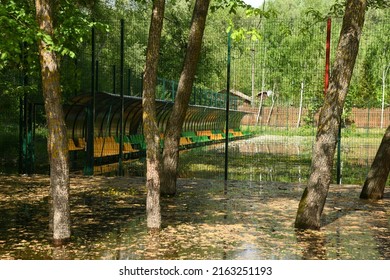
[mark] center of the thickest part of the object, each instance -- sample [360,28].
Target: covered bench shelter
[108,118]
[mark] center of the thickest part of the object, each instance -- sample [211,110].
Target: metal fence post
[114,79]
[88,168]
[227,108]
[122,89]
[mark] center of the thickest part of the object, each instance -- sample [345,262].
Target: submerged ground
[207,219]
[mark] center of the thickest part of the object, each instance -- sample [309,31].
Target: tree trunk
[260,109]
[175,123]
[259,114]
[313,199]
[150,125]
[300,105]
[374,186]
[57,135]
[272,105]
[384,72]
[253,76]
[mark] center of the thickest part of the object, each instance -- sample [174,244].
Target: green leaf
[4,56]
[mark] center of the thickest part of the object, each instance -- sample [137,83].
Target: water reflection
[153,245]
[273,158]
[60,253]
[262,158]
[312,244]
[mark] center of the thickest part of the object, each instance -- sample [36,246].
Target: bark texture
[374,186]
[150,125]
[57,135]
[313,199]
[187,76]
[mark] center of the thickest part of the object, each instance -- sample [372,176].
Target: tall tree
[57,134]
[184,89]
[150,125]
[374,186]
[313,199]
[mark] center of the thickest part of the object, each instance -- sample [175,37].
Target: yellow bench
[72,146]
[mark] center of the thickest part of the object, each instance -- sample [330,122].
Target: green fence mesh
[277,79]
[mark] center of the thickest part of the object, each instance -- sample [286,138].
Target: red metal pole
[327,59]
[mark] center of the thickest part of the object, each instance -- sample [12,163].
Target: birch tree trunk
[313,199]
[272,105]
[184,89]
[57,145]
[374,186]
[260,109]
[150,125]
[300,105]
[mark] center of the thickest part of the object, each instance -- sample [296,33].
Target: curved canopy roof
[108,114]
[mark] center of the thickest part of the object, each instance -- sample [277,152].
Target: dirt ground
[207,219]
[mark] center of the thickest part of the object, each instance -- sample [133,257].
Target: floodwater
[207,219]
[268,158]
